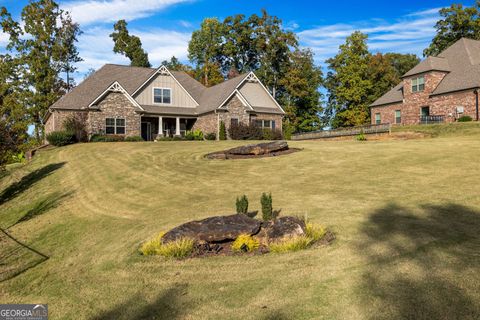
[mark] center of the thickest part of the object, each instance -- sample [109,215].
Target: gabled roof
[460,62]
[133,79]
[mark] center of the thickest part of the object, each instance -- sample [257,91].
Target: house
[133,101]
[439,89]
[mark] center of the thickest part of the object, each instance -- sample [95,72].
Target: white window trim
[115,126]
[395,115]
[418,84]
[162,103]
[263,123]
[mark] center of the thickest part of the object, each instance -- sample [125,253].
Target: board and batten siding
[256,95]
[180,97]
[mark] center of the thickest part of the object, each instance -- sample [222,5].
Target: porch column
[177,127]
[160,126]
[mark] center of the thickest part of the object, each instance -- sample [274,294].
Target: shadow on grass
[170,304]
[422,265]
[27,181]
[43,205]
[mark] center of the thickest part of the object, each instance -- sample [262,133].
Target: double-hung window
[265,124]
[378,118]
[398,116]
[418,84]
[162,95]
[115,125]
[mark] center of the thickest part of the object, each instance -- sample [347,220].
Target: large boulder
[282,228]
[214,229]
[259,149]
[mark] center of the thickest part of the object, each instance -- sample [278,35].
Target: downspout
[476,104]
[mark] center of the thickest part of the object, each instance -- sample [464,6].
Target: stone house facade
[439,89]
[151,103]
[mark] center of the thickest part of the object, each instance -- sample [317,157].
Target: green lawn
[406,215]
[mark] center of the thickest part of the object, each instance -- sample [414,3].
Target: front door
[147,131]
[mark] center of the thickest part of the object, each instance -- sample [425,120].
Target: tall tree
[402,63]
[210,71]
[129,45]
[302,99]
[457,21]
[13,115]
[205,45]
[348,83]
[39,42]
[68,52]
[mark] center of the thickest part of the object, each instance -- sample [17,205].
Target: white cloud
[96,47]
[410,34]
[88,12]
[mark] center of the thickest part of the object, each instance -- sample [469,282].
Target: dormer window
[162,95]
[418,84]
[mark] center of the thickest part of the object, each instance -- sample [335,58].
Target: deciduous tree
[129,45]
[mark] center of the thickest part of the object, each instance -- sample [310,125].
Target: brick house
[438,89]
[148,102]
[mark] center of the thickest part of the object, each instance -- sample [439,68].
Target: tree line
[42,55]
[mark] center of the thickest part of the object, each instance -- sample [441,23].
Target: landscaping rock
[259,149]
[214,229]
[282,228]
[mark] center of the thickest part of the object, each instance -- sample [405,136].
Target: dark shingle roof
[461,62]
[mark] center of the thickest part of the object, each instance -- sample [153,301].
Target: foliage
[106,138]
[134,139]
[222,135]
[174,138]
[314,232]
[356,78]
[245,243]
[175,65]
[361,137]
[194,135]
[464,119]
[18,158]
[129,45]
[181,248]
[267,209]
[242,131]
[76,125]
[242,204]
[211,136]
[43,43]
[272,134]
[210,71]
[61,138]
[291,244]
[456,22]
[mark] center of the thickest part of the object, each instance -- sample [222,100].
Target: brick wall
[234,109]
[444,105]
[114,105]
[57,118]
[278,118]
[207,123]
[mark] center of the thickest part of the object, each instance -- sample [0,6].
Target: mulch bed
[223,156]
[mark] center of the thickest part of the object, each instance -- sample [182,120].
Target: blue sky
[165,25]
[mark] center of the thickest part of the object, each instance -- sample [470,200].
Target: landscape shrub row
[252,132]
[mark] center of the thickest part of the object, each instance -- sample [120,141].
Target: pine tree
[129,45]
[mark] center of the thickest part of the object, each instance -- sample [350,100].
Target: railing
[343,132]
[431,119]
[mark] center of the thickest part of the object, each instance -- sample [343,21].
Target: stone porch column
[177,127]
[160,126]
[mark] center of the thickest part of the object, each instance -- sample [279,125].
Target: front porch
[161,126]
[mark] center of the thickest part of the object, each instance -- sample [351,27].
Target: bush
[245,132]
[269,134]
[267,210]
[288,130]
[181,248]
[222,135]
[134,139]
[194,135]
[245,243]
[77,126]
[465,119]
[106,138]
[61,138]
[291,244]
[242,204]
[361,137]
[314,232]
[211,136]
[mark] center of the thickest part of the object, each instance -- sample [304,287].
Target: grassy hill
[406,215]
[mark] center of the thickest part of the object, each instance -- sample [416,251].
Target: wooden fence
[343,132]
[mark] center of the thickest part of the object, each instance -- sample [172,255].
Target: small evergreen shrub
[242,204]
[210,136]
[291,244]
[181,248]
[134,139]
[245,243]
[361,137]
[267,210]
[222,135]
[61,138]
[194,135]
[245,132]
[465,119]
[106,138]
